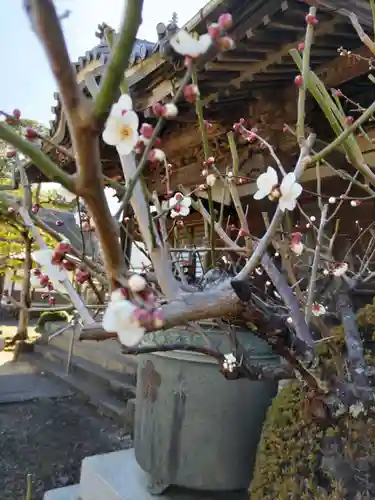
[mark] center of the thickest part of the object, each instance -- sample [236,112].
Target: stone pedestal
[117,476]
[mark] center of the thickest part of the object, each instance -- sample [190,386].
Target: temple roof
[259,69]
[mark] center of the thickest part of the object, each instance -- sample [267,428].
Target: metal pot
[194,428]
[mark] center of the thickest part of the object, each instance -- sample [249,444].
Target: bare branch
[315,265]
[114,75]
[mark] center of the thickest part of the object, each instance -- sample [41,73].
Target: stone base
[67,493]
[117,476]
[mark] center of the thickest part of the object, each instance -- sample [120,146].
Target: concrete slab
[67,493]
[117,476]
[17,387]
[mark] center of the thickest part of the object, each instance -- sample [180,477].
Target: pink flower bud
[209,162]
[225,21]
[158,109]
[298,80]
[242,232]
[226,43]
[191,92]
[44,280]
[214,31]
[31,134]
[310,19]
[17,114]
[156,156]
[35,208]
[69,266]
[81,276]
[146,130]
[64,247]
[57,257]
[59,223]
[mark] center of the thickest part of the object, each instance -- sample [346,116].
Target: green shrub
[50,316]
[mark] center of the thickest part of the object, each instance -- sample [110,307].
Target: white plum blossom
[290,190]
[230,362]
[157,155]
[185,44]
[180,205]
[356,409]
[340,270]
[266,183]
[287,193]
[121,128]
[170,110]
[318,309]
[211,179]
[297,248]
[120,318]
[296,244]
[137,283]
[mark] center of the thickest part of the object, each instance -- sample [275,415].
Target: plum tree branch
[88,183]
[44,163]
[114,75]
[314,268]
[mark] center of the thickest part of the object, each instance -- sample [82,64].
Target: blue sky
[26,81]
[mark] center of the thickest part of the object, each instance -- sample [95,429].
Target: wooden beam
[221,66]
[241,56]
[274,58]
[300,28]
[343,69]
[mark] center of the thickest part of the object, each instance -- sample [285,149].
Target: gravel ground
[48,438]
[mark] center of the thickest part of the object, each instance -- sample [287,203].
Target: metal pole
[71,348]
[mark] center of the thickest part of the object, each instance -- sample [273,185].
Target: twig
[278,216]
[84,131]
[144,159]
[233,152]
[300,129]
[44,163]
[315,265]
[360,32]
[114,75]
[207,154]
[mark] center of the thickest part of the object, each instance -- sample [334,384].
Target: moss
[50,316]
[289,462]
[293,455]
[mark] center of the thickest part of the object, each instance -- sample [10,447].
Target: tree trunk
[23,319]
